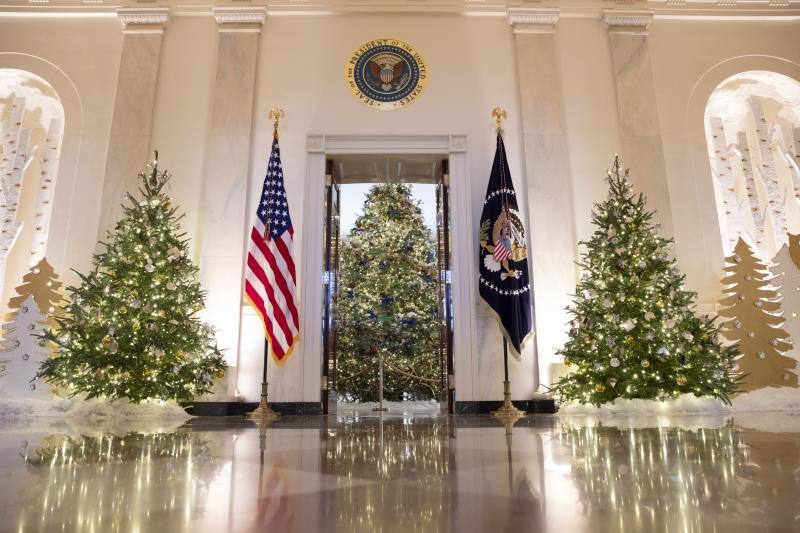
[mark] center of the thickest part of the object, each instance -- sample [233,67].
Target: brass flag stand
[263,412]
[507,410]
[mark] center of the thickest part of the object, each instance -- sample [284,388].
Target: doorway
[390,178]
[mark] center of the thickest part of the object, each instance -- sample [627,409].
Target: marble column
[132,121]
[551,226]
[227,168]
[640,132]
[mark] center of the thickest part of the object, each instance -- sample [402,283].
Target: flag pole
[507,410]
[263,412]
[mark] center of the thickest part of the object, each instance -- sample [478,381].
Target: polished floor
[406,473]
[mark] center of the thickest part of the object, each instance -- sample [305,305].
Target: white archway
[31,135]
[752,125]
[67,180]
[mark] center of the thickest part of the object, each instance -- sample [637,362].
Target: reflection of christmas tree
[754,324]
[418,452]
[387,301]
[112,483]
[131,329]
[635,333]
[655,479]
[31,313]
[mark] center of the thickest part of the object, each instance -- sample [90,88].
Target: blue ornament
[383,264]
[387,301]
[372,315]
[351,294]
[362,262]
[663,351]
[427,277]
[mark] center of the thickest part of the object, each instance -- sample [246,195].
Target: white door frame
[462,249]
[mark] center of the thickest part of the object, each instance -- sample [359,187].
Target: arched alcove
[31,135]
[752,127]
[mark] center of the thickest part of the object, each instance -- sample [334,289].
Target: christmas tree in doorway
[131,330]
[634,332]
[387,301]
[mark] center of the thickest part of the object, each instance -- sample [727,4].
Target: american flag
[270,279]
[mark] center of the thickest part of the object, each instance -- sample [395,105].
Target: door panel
[445,288]
[330,286]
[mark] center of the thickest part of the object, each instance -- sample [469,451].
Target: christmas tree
[634,333]
[387,301]
[32,313]
[131,330]
[752,306]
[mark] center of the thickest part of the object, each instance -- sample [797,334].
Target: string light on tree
[634,333]
[124,333]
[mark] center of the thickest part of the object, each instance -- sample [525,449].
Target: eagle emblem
[507,243]
[386,74]
[386,68]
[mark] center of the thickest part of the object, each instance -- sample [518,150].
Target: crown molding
[135,16]
[631,22]
[522,19]
[249,15]
[523,15]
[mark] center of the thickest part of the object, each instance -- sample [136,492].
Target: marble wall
[619,88]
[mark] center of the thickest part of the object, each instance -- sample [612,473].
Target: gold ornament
[628,339]
[136,326]
[599,387]
[680,380]
[123,310]
[645,363]
[107,340]
[567,361]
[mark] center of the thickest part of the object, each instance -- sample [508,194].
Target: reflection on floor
[407,473]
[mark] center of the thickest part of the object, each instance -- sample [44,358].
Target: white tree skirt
[148,415]
[770,399]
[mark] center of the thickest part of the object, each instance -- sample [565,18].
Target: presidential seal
[386,74]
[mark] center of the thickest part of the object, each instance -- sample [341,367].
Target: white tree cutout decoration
[24,352]
[786,279]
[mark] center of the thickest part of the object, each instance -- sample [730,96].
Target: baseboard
[242,408]
[481,407]
[541,406]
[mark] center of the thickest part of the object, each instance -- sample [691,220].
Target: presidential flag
[504,283]
[270,280]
